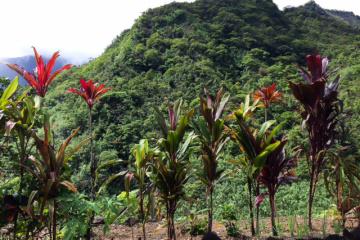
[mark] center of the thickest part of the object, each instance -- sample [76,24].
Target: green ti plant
[210,129]
[342,179]
[143,156]
[17,116]
[266,97]
[171,166]
[254,144]
[48,169]
[20,116]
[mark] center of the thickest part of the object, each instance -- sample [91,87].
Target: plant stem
[142,211]
[170,207]
[54,222]
[210,207]
[273,212]
[15,226]
[313,182]
[93,175]
[92,160]
[257,193]
[251,208]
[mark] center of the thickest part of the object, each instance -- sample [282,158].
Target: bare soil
[157,230]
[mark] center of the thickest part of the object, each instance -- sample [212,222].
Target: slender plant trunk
[251,208]
[152,205]
[210,191]
[22,160]
[93,175]
[15,226]
[273,212]
[132,232]
[310,203]
[257,190]
[142,212]
[339,194]
[54,222]
[313,182]
[170,207]
[257,210]
[92,159]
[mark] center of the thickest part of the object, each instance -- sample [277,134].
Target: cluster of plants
[232,154]
[40,199]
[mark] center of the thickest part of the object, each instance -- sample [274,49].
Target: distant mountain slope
[176,50]
[27,62]
[348,17]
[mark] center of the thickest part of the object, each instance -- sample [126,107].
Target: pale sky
[84,28]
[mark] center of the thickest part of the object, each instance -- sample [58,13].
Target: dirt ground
[157,230]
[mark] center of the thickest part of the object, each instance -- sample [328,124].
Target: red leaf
[89,91]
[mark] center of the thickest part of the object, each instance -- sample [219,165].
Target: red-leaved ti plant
[267,95]
[91,93]
[43,75]
[321,108]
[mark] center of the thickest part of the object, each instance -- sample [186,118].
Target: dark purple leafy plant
[277,171]
[321,108]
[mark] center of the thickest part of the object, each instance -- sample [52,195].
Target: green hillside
[176,50]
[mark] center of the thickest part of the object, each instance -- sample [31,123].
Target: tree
[210,129]
[48,171]
[254,144]
[143,156]
[321,108]
[171,170]
[277,171]
[91,93]
[266,96]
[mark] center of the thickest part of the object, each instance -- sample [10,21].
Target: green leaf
[260,159]
[10,90]
[264,127]
[274,132]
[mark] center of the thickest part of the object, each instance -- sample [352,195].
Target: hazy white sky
[84,28]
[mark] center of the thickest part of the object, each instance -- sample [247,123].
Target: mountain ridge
[27,62]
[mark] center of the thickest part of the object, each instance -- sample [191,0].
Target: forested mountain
[349,17]
[176,50]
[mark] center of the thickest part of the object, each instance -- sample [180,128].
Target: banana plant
[321,108]
[211,131]
[143,156]
[255,145]
[48,170]
[171,166]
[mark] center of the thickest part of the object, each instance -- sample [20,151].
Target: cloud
[81,28]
